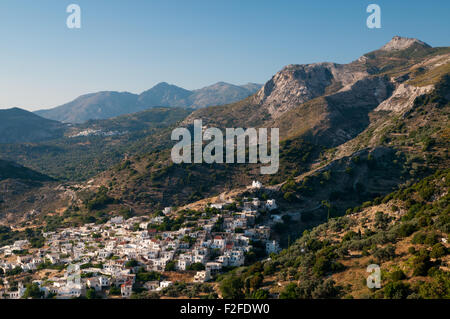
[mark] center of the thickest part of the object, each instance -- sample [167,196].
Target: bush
[438,251]
[396,290]
[170,266]
[33,291]
[91,294]
[406,229]
[397,275]
[289,292]
[422,264]
[196,266]
[232,288]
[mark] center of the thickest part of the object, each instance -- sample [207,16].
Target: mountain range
[326,113]
[363,175]
[107,104]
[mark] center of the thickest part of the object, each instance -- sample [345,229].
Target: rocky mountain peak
[401,43]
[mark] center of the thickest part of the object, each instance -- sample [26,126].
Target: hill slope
[89,148]
[326,113]
[405,233]
[18,126]
[14,171]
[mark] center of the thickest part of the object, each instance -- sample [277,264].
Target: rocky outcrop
[296,84]
[403,97]
[401,43]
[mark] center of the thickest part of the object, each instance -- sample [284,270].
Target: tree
[91,294]
[396,290]
[289,292]
[196,266]
[422,264]
[327,205]
[170,266]
[438,251]
[33,291]
[439,288]
[131,263]
[114,291]
[256,281]
[232,288]
[397,275]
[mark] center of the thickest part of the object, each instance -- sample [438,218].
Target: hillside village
[107,257]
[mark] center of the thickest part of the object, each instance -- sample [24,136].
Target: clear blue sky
[132,45]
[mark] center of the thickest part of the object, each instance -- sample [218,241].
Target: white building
[271,204]
[272,246]
[202,276]
[126,289]
[165,284]
[256,185]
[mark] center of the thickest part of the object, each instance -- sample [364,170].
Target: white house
[272,246]
[151,285]
[165,284]
[235,258]
[217,206]
[256,184]
[126,289]
[271,204]
[202,276]
[94,283]
[218,243]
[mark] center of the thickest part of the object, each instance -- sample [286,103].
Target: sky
[133,45]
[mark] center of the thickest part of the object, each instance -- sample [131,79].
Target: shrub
[422,264]
[438,251]
[397,275]
[396,290]
[232,288]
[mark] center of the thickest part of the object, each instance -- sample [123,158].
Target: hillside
[14,171]
[333,121]
[23,191]
[18,126]
[89,148]
[405,233]
[108,104]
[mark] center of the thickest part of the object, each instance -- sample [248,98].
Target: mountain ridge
[18,125]
[107,104]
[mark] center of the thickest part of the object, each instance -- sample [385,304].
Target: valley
[363,179]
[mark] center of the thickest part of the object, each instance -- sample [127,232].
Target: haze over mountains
[107,104]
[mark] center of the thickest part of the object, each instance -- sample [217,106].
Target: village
[106,259]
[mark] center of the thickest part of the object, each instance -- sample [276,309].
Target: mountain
[330,103]
[164,94]
[103,105]
[363,177]
[330,115]
[222,93]
[401,43]
[18,126]
[94,106]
